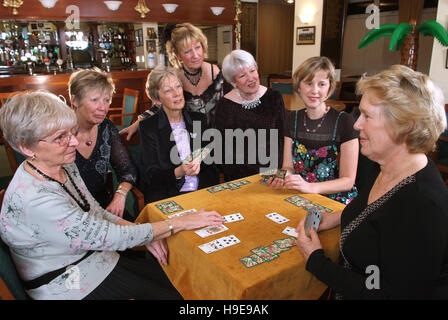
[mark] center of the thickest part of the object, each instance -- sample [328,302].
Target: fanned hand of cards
[275,173]
[200,154]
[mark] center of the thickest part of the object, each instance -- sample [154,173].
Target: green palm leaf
[386,30]
[399,34]
[435,29]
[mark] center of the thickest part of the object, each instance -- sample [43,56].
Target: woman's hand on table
[305,244]
[199,220]
[159,250]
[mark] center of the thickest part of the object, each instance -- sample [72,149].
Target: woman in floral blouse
[321,147]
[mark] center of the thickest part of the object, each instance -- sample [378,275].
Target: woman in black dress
[250,110]
[394,238]
[202,82]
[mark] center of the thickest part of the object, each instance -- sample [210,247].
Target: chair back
[10,285]
[5,96]
[283,85]
[130,102]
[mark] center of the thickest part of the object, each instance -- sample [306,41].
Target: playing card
[286,243]
[278,218]
[233,217]
[281,173]
[273,249]
[290,232]
[298,201]
[312,220]
[182,213]
[211,230]
[263,254]
[168,207]
[200,154]
[228,241]
[233,186]
[217,188]
[211,246]
[248,262]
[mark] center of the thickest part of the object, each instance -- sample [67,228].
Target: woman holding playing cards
[321,147]
[171,149]
[50,220]
[394,238]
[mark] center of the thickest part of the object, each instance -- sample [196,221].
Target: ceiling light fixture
[217,10]
[113,5]
[170,7]
[48,3]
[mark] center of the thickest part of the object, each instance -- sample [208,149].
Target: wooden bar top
[58,84]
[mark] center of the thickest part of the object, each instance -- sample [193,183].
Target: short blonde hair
[308,69]
[31,116]
[84,81]
[156,78]
[182,36]
[408,98]
[236,61]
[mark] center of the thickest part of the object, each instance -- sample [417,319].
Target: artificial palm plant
[404,37]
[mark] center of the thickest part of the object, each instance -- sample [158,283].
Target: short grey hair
[31,116]
[155,80]
[236,61]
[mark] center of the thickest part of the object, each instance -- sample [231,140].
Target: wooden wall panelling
[97,11]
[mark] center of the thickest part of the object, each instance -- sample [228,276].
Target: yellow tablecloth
[220,275]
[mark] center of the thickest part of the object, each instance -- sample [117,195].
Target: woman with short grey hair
[50,220]
[249,106]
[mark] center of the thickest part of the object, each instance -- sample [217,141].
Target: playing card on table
[219,244]
[290,231]
[233,217]
[273,249]
[168,207]
[211,230]
[278,218]
[298,201]
[286,243]
[263,254]
[248,262]
[228,241]
[217,188]
[211,246]
[182,213]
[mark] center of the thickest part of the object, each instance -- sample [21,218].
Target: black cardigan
[406,237]
[158,179]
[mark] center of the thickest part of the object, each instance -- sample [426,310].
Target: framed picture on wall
[226,36]
[306,35]
[446,62]
[138,35]
[151,45]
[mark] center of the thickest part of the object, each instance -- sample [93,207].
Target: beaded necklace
[248,105]
[85,206]
[318,125]
[193,77]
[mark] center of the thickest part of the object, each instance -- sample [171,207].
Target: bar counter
[57,84]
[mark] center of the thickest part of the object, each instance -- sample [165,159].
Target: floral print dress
[318,165]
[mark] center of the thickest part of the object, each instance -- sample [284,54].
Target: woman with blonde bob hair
[202,82]
[321,148]
[394,243]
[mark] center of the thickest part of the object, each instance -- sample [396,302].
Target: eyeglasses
[64,139]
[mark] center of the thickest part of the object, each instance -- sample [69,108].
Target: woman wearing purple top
[167,139]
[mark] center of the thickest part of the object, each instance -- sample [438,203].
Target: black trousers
[135,277]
